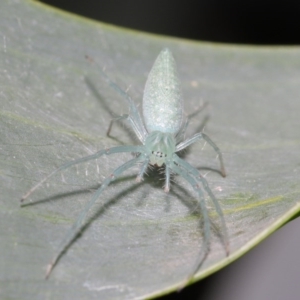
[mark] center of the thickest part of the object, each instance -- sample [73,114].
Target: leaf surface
[138,241]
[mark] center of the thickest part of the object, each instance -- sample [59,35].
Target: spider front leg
[167,180]
[190,169]
[108,151]
[73,232]
[206,221]
[200,136]
[143,169]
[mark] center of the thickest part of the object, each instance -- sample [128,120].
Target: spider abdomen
[162,100]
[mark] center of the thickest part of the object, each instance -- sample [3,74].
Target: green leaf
[138,241]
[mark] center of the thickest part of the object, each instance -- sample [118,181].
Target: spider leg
[206,222]
[134,115]
[72,233]
[143,169]
[141,136]
[108,151]
[199,136]
[168,176]
[190,169]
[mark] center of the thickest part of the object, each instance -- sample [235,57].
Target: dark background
[230,21]
[269,271]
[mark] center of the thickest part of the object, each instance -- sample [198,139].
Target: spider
[161,136]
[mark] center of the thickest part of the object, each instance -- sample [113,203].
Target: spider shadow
[100,211]
[189,200]
[154,179]
[200,128]
[185,197]
[111,201]
[60,196]
[187,150]
[94,215]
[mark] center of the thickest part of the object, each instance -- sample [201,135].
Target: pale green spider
[161,137]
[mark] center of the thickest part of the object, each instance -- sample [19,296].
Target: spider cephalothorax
[160,146]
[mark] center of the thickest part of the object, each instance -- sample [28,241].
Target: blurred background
[271,270]
[229,21]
